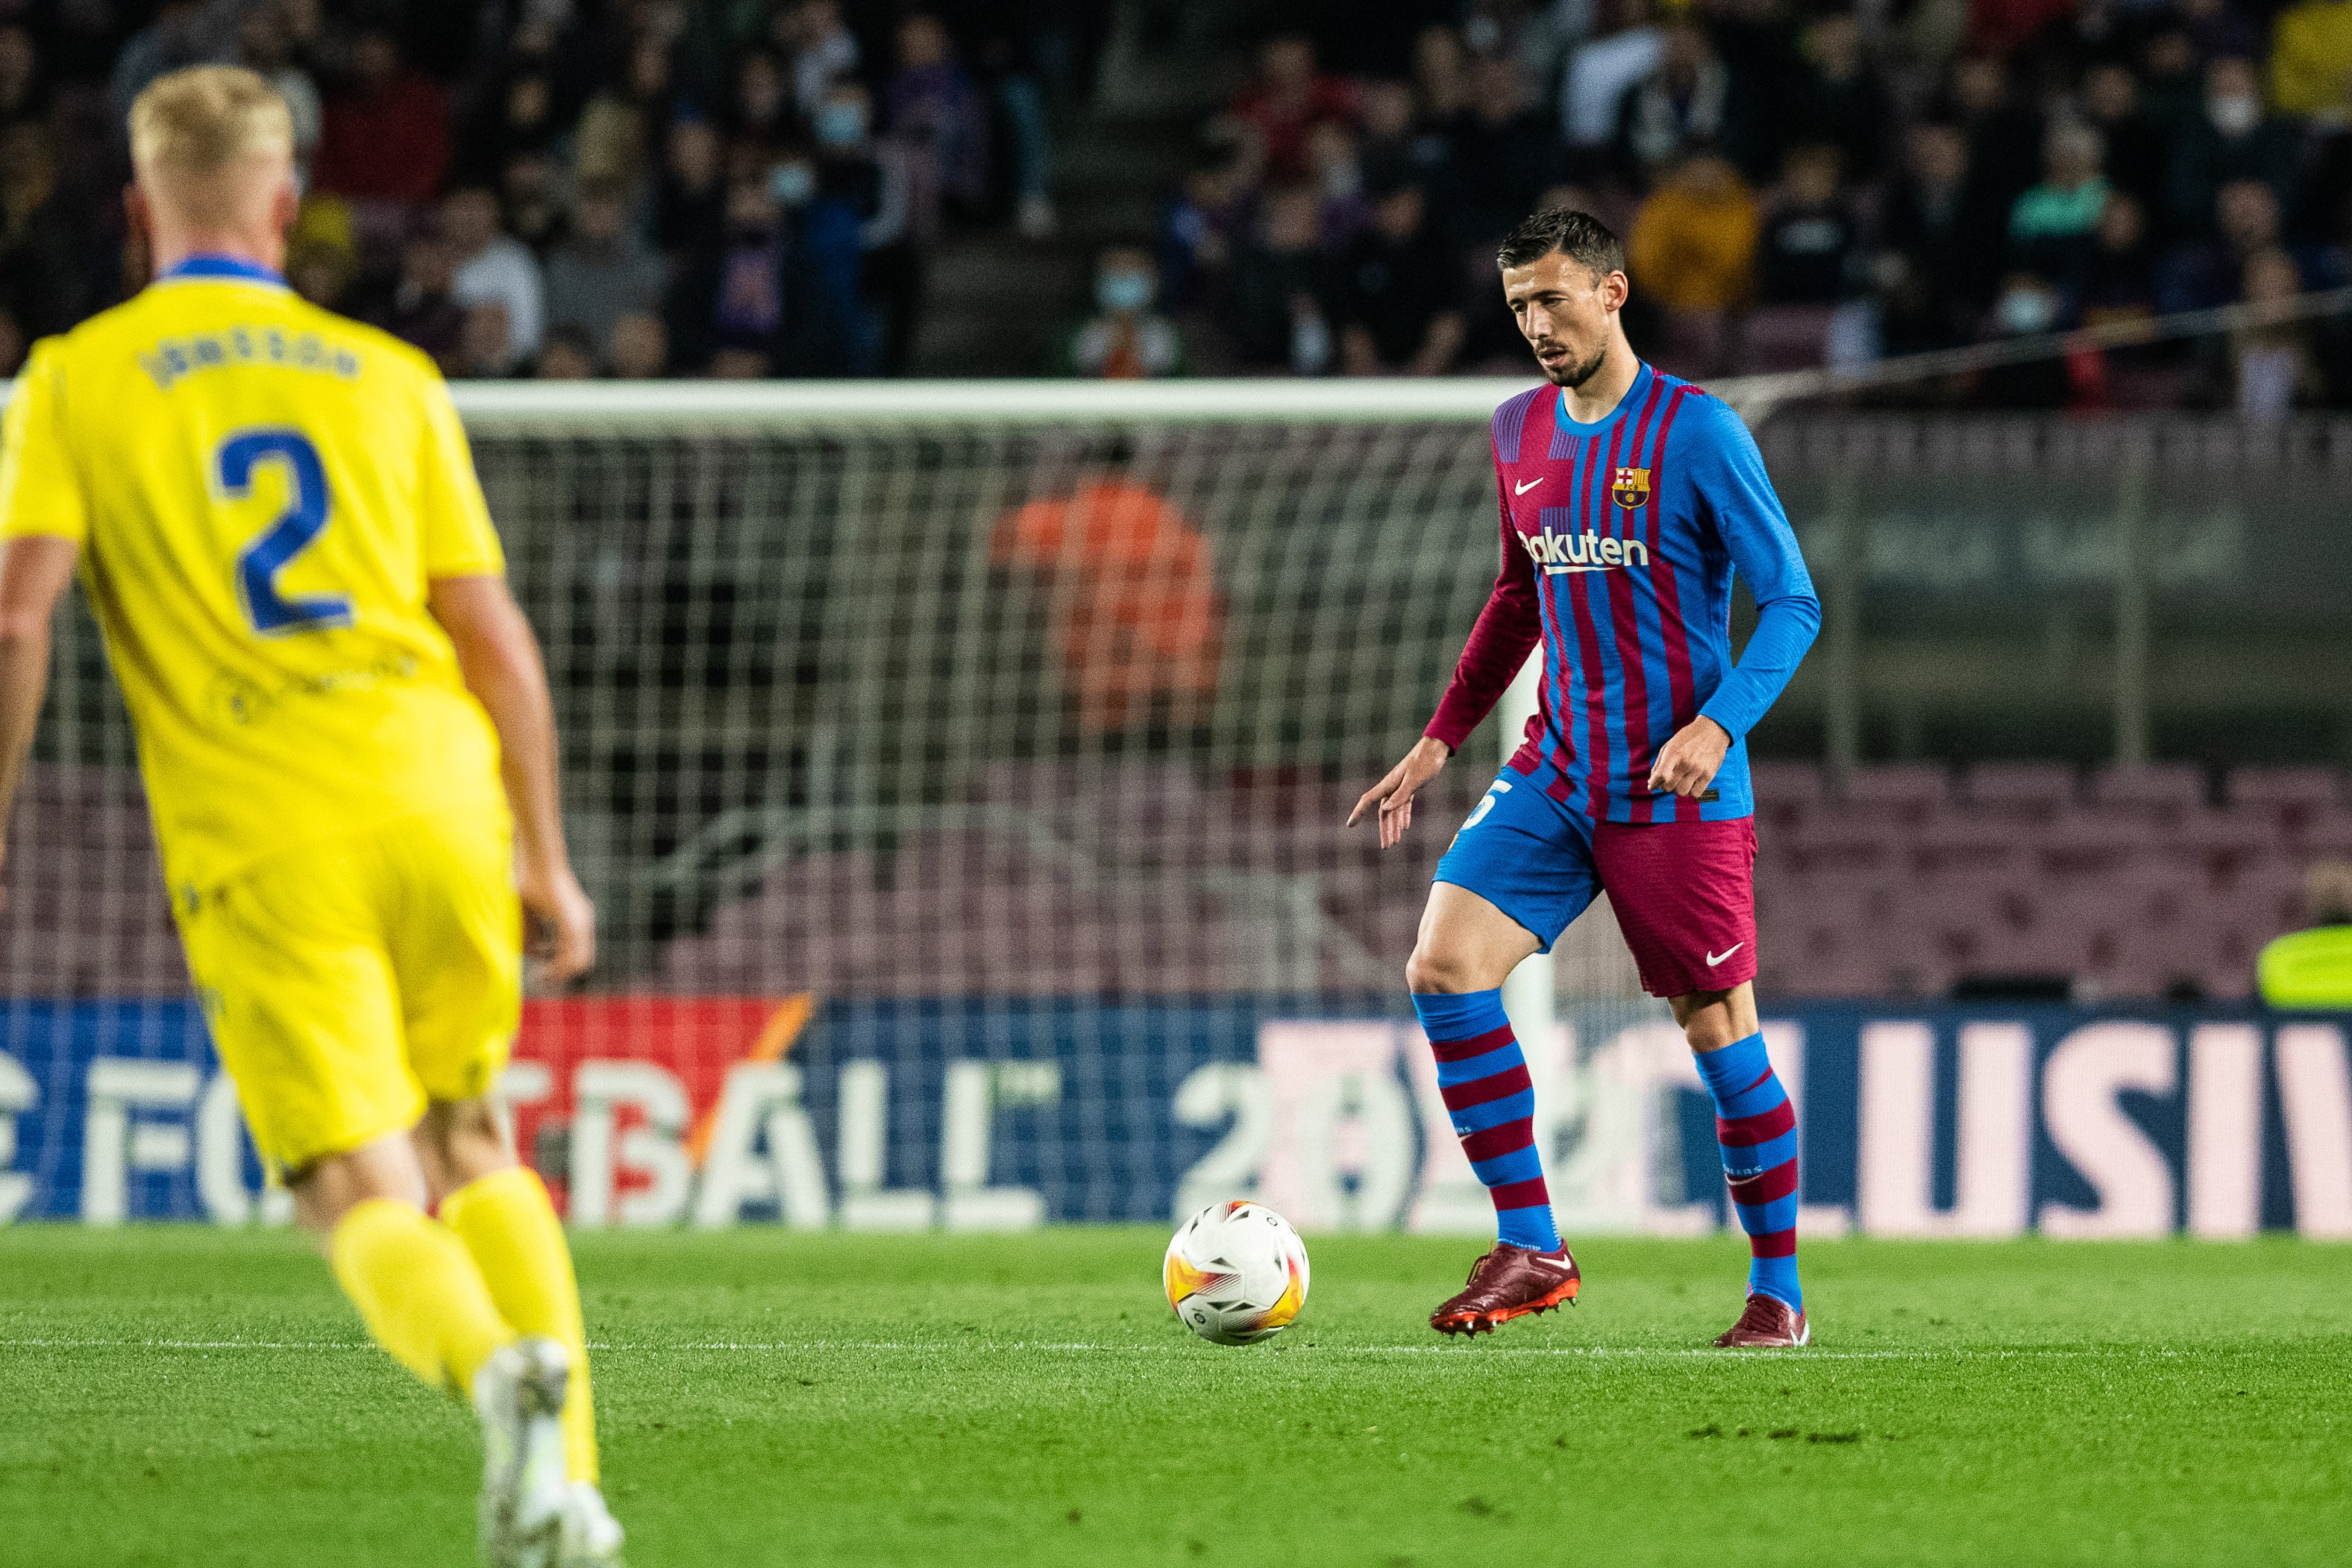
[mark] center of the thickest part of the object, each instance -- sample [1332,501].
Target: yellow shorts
[351,981]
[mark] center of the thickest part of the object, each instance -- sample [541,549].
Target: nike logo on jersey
[1714,958]
[1522,489]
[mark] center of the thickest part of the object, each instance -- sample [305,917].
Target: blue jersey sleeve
[1739,499]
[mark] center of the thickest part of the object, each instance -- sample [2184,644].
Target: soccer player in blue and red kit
[1629,499]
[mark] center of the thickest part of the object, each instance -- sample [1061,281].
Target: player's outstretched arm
[34,572]
[500,657]
[1394,794]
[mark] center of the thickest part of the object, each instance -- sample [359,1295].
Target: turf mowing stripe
[1000,1347]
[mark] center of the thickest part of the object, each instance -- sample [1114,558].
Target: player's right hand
[1394,794]
[561,923]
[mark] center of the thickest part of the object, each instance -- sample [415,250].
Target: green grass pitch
[182,1396]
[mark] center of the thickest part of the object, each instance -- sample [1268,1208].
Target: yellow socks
[508,1224]
[418,1291]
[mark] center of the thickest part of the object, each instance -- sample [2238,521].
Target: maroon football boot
[1510,1282]
[1768,1324]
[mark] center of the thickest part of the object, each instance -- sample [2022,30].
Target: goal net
[961,774]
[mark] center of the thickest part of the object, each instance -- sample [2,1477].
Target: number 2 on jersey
[296,528]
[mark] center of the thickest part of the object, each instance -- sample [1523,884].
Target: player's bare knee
[1439,971]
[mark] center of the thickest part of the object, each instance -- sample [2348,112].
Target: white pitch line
[713,1347]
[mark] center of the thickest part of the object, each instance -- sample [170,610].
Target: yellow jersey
[261,490]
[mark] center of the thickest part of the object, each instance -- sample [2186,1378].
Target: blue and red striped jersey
[1619,541]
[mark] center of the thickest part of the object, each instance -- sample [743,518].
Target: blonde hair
[191,127]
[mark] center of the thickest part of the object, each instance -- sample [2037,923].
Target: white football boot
[519,1394]
[591,1536]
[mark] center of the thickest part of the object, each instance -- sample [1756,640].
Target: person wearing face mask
[1125,340]
[829,329]
[2232,139]
[880,180]
[2027,306]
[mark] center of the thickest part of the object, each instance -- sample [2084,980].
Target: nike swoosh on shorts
[1714,958]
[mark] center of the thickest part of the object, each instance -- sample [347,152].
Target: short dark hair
[1578,235]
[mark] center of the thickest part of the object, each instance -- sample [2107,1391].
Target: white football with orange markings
[1235,1273]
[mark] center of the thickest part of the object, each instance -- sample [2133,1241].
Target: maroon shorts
[1684,893]
[1684,896]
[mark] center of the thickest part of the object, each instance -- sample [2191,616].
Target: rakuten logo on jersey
[1586,551]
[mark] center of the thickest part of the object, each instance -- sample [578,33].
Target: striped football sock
[1483,1078]
[1755,1127]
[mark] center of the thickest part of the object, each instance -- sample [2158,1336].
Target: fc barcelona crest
[1630,487]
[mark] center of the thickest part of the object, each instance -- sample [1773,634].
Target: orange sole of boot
[1476,1323]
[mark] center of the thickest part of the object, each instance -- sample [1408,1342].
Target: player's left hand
[561,921]
[1686,765]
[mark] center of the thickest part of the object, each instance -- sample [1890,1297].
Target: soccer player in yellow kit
[349,750]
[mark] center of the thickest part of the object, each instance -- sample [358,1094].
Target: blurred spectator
[486,342]
[1285,286]
[492,267]
[1839,100]
[1503,156]
[322,273]
[2119,280]
[886,184]
[1622,50]
[762,112]
[267,44]
[383,130]
[2171,74]
[1337,175]
[1125,340]
[1687,101]
[831,328]
[531,201]
[603,272]
[2246,223]
[2272,370]
[1197,225]
[640,348]
[1693,244]
[1019,97]
[2028,305]
[747,305]
[2233,139]
[425,309]
[567,354]
[1396,145]
[933,107]
[690,227]
[1288,99]
[2005,139]
[519,118]
[2310,60]
[1403,292]
[179,33]
[23,87]
[2136,143]
[1949,246]
[45,247]
[1810,251]
[1441,77]
[822,49]
[2050,228]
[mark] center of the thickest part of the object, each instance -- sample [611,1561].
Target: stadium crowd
[1798,184]
[564,187]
